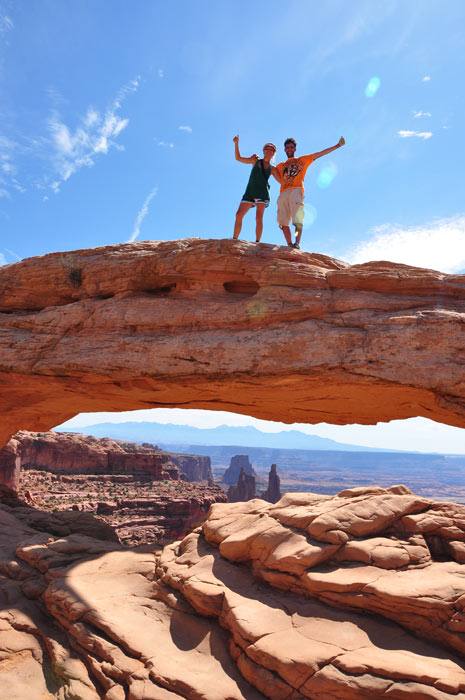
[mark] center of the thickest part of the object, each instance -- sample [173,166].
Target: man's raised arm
[251,160]
[340,143]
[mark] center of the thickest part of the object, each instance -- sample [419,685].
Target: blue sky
[117,118]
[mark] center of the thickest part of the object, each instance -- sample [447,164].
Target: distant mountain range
[168,435]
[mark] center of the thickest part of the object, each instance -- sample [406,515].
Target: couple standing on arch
[290,174]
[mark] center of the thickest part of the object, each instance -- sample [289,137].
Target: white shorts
[291,207]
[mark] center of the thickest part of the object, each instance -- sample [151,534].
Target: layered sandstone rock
[135,490]
[10,465]
[244,490]
[138,511]
[263,601]
[363,550]
[228,325]
[238,464]
[194,467]
[273,490]
[74,453]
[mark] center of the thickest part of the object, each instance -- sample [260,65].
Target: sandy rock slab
[79,620]
[290,647]
[316,597]
[360,552]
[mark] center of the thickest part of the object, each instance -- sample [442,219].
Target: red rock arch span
[261,330]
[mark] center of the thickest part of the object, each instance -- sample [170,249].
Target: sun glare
[373,86]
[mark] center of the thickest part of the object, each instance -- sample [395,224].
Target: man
[257,190]
[291,175]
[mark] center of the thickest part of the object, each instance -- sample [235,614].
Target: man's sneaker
[296,245]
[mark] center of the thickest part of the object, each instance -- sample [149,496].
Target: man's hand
[341,141]
[236,139]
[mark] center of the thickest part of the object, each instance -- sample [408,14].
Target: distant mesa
[246,488]
[80,454]
[238,463]
[83,454]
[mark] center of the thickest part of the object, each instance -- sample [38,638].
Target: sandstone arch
[260,330]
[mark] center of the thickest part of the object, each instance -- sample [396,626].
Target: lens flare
[326,175]
[373,86]
[310,215]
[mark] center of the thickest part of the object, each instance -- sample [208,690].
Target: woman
[256,193]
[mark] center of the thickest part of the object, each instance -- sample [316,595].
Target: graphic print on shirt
[290,171]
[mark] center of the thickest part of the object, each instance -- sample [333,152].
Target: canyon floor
[140,511]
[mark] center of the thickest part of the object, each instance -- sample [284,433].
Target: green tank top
[257,187]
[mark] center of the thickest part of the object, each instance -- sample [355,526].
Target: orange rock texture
[221,324]
[74,453]
[263,601]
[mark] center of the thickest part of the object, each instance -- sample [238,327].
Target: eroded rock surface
[273,490]
[263,601]
[238,464]
[193,467]
[138,491]
[228,325]
[244,490]
[76,453]
[139,511]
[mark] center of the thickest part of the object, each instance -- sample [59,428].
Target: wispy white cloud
[418,114]
[13,254]
[164,144]
[188,129]
[426,79]
[407,134]
[2,259]
[130,87]
[6,24]
[141,214]
[95,134]
[439,245]
[161,73]
[7,166]
[18,186]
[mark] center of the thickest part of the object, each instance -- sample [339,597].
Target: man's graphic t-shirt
[292,172]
